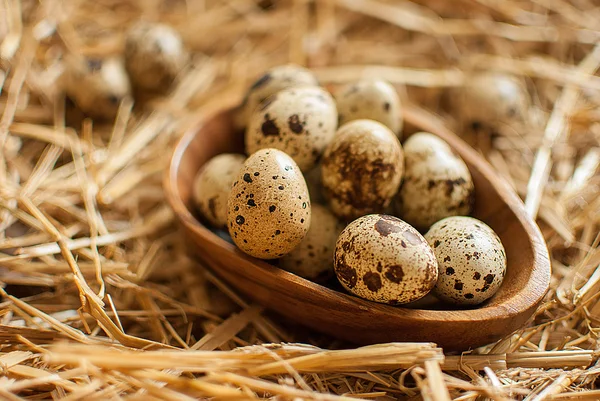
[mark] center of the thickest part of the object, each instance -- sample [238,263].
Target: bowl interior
[218,135]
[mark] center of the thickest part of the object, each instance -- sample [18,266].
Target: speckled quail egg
[213,184]
[381,258]
[491,99]
[298,121]
[96,85]
[372,99]
[471,260]
[273,81]
[361,169]
[154,55]
[437,182]
[312,259]
[269,207]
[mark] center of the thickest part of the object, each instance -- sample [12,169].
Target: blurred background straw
[99,300]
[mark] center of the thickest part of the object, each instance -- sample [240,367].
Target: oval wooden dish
[348,317]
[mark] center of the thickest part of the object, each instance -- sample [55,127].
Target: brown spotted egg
[213,184]
[269,207]
[491,99]
[361,169]
[471,260]
[96,85]
[372,99]
[383,259]
[154,55]
[298,121]
[273,81]
[312,259]
[437,182]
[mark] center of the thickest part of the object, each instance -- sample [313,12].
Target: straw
[100,299]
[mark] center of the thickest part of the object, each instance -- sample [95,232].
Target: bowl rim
[525,299]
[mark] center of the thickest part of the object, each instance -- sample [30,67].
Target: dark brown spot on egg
[458,285]
[436,243]
[251,203]
[261,81]
[403,244]
[373,281]
[240,219]
[212,206]
[476,276]
[269,128]
[272,208]
[469,296]
[386,106]
[470,236]
[379,267]
[277,232]
[346,273]
[247,178]
[94,64]
[295,125]
[281,187]
[450,184]
[256,173]
[386,227]
[394,273]
[449,271]
[430,184]
[489,278]
[447,259]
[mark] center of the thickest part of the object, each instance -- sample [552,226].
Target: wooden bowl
[351,318]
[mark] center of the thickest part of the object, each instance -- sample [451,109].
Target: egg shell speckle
[269,208]
[361,169]
[154,55]
[372,99]
[275,80]
[298,121]
[213,184]
[471,260]
[383,259]
[313,258]
[97,85]
[437,182]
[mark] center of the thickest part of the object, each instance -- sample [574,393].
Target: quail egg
[298,121]
[269,206]
[437,182]
[213,184]
[154,55]
[313,258]
[471,260]
[491,99]
[361,169]
[373,99]
[383,259]
[96,85]
[275,80]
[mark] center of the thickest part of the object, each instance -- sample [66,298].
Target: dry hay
[99,300]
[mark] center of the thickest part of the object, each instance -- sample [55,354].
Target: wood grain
[351,318]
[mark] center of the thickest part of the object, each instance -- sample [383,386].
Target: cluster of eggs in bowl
[328,189]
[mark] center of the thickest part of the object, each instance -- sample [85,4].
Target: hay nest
[98,298]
